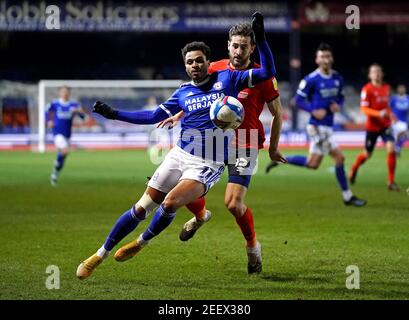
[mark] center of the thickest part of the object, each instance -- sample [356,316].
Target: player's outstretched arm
[136,117]
[267,69]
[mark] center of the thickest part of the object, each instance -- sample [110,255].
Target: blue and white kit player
[60,114]
[192,167]
[321,94]
[400,108]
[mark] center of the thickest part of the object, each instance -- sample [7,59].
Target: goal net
[95,131]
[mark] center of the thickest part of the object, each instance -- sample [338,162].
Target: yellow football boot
[86,267]
[129,250]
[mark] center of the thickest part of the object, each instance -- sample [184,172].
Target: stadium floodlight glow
[44,84]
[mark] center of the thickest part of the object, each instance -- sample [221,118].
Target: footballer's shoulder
[312,75]
[367,86]
[185,84]
[219,65]
[386,85]
[335,73]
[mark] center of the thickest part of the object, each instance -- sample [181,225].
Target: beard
[238,62]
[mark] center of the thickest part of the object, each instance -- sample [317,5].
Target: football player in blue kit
[400,108]
[60,114]
[196,163]
[321,94]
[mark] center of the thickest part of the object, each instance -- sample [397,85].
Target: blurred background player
[60,114]
[153,139]
[185,174]
[321,94]
[400,107]
[375,105]
[241,45]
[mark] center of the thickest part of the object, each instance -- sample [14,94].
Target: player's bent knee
[169,205]
[390,148]
[148,206]
[236,208]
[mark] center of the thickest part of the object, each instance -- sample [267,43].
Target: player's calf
[58,165]
[360,160]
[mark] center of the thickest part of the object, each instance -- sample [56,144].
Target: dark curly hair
[196,45]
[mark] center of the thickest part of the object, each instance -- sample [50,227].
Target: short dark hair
[196,45]
[324,47]
[242,29]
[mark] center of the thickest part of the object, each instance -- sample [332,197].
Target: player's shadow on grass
[279,277]
[292,278]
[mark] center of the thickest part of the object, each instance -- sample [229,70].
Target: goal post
[45,97]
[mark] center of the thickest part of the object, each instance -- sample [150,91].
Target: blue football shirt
[400,106]
[63,112]
[321,91]
[199,135]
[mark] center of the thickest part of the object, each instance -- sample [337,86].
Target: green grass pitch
[309,237]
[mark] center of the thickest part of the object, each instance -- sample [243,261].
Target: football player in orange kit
[375,105]
[241,45]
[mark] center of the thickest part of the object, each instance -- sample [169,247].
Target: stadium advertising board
[319,13]
[127,16]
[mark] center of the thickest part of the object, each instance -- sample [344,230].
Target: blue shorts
[243,169]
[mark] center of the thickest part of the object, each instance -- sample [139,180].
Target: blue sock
[123,226]
[297,160]
[342,180]
[160,221]
[59,162]
[400,142]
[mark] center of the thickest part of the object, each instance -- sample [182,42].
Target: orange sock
[246,224]
[198,207]
[359,161]
[391,166]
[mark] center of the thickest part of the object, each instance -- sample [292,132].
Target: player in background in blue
[400,108]
[60,114]
[192,167]
[321,94]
